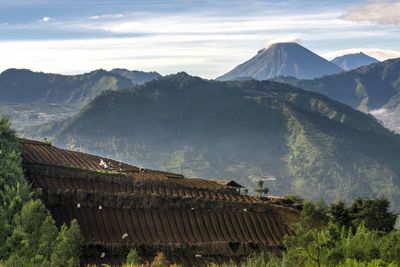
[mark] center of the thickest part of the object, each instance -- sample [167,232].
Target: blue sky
[203,37]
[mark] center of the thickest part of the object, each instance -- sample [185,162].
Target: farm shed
[193,221]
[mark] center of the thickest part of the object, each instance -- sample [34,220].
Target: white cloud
[203,44]
[107,16]
[380,54]
[183,53]
[205,23]
[378,11]
[286,39]
[46,19]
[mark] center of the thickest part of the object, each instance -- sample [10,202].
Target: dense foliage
[28,233]
[337,235]
[340,235]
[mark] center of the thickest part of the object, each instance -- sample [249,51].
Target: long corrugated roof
[149,210]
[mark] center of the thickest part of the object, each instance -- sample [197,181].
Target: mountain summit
[354,61]
[283,59]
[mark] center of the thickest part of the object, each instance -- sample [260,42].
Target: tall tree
[14,189]
[68,245]
[374,213]
[33,236]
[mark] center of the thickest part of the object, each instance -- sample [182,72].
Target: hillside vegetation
[296,140]
[366,88]
[28,233]
[25,86]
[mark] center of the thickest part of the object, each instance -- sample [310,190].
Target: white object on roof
[245,210]
[102,255]
[100,207]
[192,208]
[103,164]
[78,205]
[198,256]
[124,236]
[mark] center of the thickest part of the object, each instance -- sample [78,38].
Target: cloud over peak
[378,11]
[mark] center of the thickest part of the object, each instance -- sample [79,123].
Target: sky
[202,37]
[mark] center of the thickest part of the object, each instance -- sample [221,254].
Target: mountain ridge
[26,86]
[365,88]
[136,76]
[354,61]
[299,141]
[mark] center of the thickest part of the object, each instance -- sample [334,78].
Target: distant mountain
[25,86]
[283,59]
[137,77]
[366,88]
[374,88]
[297,141]
[354,61]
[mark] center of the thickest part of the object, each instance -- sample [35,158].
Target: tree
[11,172]
[374,213]
[133,258]
[160,260]
[261,189]
[14,189]
[311,238]
[314,216]
[33,235]
[28,234]
[4,232]
[340,215]
[390,247]
[67,249]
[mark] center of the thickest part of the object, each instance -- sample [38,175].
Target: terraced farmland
[193,221]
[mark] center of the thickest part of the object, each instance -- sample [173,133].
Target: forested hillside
[366,88]
[374,88]
[296,140]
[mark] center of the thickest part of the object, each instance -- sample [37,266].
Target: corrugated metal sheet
[180,216]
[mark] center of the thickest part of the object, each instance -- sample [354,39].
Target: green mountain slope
[298,141]
[366,88]
[25,86]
